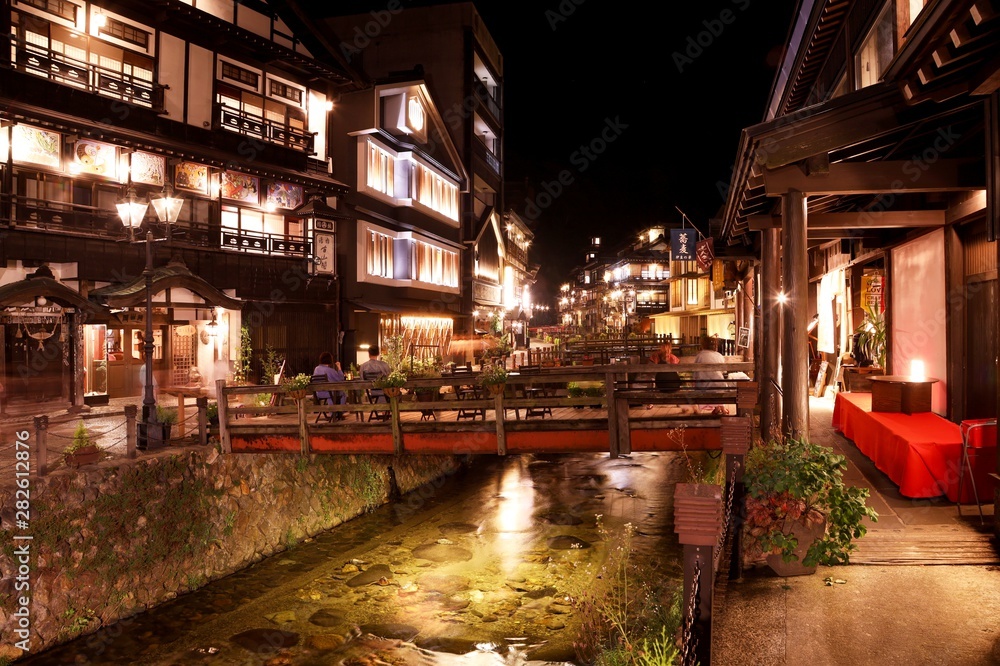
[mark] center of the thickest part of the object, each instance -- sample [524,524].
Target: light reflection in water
[514,516]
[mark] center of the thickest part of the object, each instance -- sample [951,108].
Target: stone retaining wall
[114,539]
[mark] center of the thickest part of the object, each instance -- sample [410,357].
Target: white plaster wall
[201,76]
[919,312]
[171,74]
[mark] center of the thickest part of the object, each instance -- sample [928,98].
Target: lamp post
[132,211]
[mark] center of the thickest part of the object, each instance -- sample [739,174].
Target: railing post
[611,394]
[41,444]
[223,402]
[624,429]
[500,413]
[698,523]
[202,403]
[736,435]
[131,432]
[300,407]
[397,431]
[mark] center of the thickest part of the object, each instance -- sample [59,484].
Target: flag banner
[682,244]
[704,251]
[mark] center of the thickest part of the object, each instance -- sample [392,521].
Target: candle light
[917,369]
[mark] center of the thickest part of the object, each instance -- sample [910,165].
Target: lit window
[379,255]
[381,170]
[435,192]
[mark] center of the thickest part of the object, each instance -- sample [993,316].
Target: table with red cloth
[920,452]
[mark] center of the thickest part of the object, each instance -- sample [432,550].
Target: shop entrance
[35,364]
[126,358]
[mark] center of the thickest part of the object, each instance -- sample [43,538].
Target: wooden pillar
[992,122]
[749,315]
[794,347]
[223,401]
[300,407]
[770,342]
[131,432]
[736,432]
[397,430]
[202,420]
[612,400]
[500,413]
[41,445]
[78,364]
[698,522]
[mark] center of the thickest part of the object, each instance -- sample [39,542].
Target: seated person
[374,368]
[711,379]
[332,373]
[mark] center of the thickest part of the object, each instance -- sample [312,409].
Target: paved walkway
[872,615]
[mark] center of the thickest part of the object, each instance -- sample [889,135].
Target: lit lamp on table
[132,211]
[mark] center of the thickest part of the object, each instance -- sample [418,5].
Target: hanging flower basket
[393,391]
[495,389]
[298,394]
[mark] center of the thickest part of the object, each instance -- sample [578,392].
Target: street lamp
[132,211]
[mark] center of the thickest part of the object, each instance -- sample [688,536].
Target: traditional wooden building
[400,254]
[217,114]
[464,75]
[872,184]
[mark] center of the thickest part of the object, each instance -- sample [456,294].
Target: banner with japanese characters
[682,244]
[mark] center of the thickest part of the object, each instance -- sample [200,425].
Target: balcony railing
[250,124]
[485,154]
[46,63]
[491,103]
[265,243]
[29,213]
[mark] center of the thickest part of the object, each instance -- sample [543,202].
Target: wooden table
[183,392]
[901,393]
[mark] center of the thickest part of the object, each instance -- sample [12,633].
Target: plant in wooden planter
[493,377]
[800,513]
[82,450]
[391,384]
[297,386]
[158,432]
[212,412]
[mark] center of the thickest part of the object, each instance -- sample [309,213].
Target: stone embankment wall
[114,539]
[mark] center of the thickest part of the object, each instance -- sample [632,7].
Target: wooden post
[397,431]
[501,424]
[770,323]
[736,436]
[41,444]
[612,400]
[202,402]
[624,431]
[223,402]
[131,432]
[698,518]
[794,348]
[300,406]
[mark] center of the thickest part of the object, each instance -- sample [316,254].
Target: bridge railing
[249,410]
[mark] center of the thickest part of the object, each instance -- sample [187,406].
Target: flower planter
[157,435]
[494,389]
[393,391]
[83,456]
[298,394]
[805,532]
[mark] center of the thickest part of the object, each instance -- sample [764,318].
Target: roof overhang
[172,276]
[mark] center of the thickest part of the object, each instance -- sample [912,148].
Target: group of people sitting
[329,370]
[666,380]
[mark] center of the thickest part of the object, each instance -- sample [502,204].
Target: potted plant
[212,412]
[870,337]
[158,432]
[800,513]
[493,377]
[82,450]
[297,386]
[392,383]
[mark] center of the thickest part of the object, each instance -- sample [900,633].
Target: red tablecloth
[920,452]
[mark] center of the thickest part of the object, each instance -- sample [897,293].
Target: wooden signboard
[820,379]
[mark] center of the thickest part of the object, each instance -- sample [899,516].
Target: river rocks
[403,632]
[560,608]
[373,574]
[554,623]
[325,641]
[561,518]
[437,552]
[444,584]
[265,640]
[454,603]
[326,617]
[567,542]
[452,529]
[281,617]
[540,592]
[448,644]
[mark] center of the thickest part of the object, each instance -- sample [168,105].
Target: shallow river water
[482,568]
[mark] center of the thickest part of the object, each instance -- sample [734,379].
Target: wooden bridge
[533,413]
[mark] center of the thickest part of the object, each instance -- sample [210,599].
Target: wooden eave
[825,25]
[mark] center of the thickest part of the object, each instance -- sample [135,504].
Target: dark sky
[672,86]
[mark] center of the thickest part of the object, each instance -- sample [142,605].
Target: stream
[482,568]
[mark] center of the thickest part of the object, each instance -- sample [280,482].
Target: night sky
[671,88]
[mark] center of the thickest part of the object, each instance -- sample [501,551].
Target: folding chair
[322,398]
[375,396]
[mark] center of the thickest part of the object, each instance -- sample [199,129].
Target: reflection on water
[483,573]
